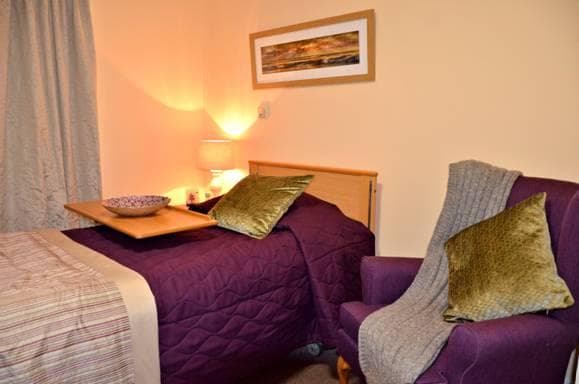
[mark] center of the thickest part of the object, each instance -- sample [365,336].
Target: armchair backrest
[562,207]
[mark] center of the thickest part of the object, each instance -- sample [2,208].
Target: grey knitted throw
[400,341]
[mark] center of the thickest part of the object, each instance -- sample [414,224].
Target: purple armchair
[530,348]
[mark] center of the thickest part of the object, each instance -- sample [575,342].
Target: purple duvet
[229,304]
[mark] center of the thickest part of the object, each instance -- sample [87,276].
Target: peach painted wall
[150,94]
[495,80]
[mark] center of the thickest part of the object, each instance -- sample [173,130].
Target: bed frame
[353,191]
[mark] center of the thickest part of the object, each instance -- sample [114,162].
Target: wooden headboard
[353,191]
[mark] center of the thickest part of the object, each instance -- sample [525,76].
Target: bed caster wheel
[307,352]
[314,349]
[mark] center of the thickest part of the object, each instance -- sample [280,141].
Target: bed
[228,304]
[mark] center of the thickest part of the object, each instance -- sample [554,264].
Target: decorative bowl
[136,205]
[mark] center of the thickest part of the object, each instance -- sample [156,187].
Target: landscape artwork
[333,50]
[319,52]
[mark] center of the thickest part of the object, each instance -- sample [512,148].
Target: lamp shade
[215,155]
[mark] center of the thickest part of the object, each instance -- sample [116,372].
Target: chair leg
[344,370]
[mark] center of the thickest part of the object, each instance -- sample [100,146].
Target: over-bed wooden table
[167,220]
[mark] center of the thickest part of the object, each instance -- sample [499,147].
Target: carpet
[302,369]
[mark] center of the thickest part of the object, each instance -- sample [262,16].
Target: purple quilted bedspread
[229,304]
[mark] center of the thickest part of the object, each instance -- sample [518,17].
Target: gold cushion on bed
[255,205]
[504,266]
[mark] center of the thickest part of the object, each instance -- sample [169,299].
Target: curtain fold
[49,148]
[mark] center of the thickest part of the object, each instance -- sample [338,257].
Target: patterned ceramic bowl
[136,205]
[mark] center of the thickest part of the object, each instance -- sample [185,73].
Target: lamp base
[216,184]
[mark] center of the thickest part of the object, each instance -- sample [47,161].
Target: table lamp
[216,156]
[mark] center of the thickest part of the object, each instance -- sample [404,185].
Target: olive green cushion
[255,204]
[504,266]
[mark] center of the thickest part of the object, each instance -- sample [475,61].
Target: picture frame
[339,49]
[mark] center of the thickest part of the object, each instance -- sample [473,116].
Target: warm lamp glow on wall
[216,156]
[234,123]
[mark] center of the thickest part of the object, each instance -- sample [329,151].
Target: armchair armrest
[385,279]
[519,349]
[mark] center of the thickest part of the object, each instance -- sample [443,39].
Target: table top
[167,220]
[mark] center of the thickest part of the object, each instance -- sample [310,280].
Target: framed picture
[337,49]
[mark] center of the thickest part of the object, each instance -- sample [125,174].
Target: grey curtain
[49,149]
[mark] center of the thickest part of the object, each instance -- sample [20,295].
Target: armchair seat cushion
[352,314]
